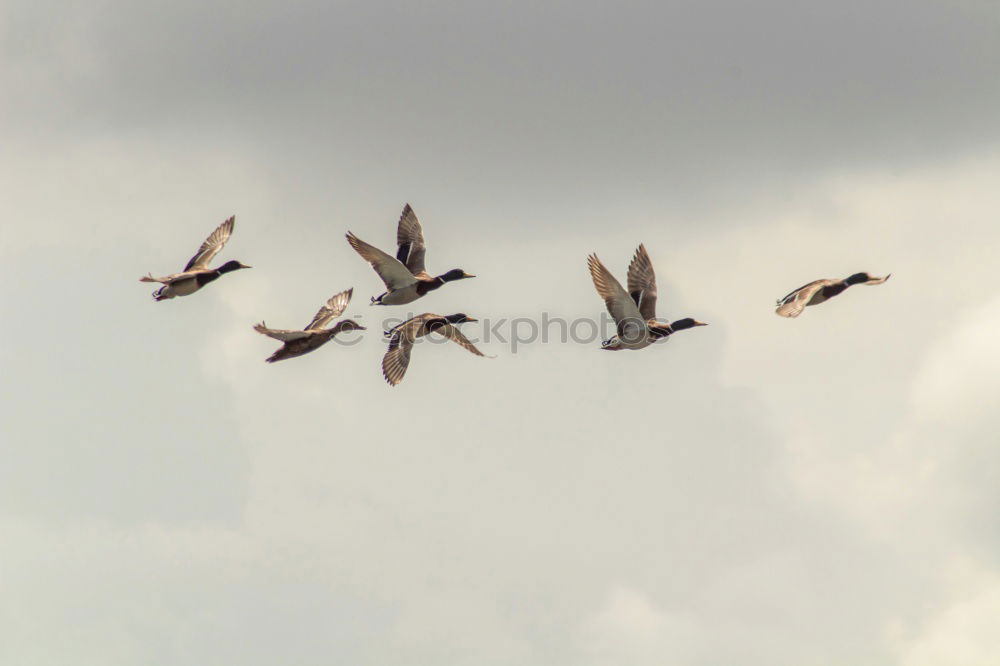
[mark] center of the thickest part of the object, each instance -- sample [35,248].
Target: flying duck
[197,273]
[315,335]
[821,290]
[403,336]
[634,311]
[404,275]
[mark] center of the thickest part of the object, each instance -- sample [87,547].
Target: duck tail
[280,355]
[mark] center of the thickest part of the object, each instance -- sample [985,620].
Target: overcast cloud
[758,492]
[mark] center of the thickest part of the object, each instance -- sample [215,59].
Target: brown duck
[403,337]
[315,335]
[819,291]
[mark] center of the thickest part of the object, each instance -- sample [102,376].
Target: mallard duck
[404,275]
[402,337]
[821,290]
[315,335]
[634,311]
[197,273]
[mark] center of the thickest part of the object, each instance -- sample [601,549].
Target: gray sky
[760,491]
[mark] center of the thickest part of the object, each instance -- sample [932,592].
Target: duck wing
[451,332]
[410,239]
[168,279]
[212,245]
[620,304]
[279,334]
[333,308]
[396,360]
[642,283]
[392,271]
[793,304]
[397,357]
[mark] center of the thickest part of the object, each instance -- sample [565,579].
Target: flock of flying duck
[407,280]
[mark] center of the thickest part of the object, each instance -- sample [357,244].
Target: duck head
[351,325]
[858,278]
[460,318]
[230,266]
[454,274]
[687,322]
[866,278]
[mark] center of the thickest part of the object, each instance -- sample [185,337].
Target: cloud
[760,491]
[962,371]
[681,101]
[631,630]
[963,631]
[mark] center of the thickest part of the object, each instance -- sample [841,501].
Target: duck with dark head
[196,273]
[820,291]
[403,337]
[404,275]
[634,311]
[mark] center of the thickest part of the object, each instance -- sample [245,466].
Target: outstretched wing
[169,279]
[452,333]
[620,304]
[278,334]
[410,239]
[333,308]
[212,245]
[878,280]
[397,357]
[393,273]
[794,303]
[642,283]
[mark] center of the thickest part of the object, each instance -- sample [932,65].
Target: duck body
[188,282]
[820,291]
[404,275]
[196,273]
[634,311]
[182,285]
[314,335]
[420,287]
[635,337]
[311,341]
